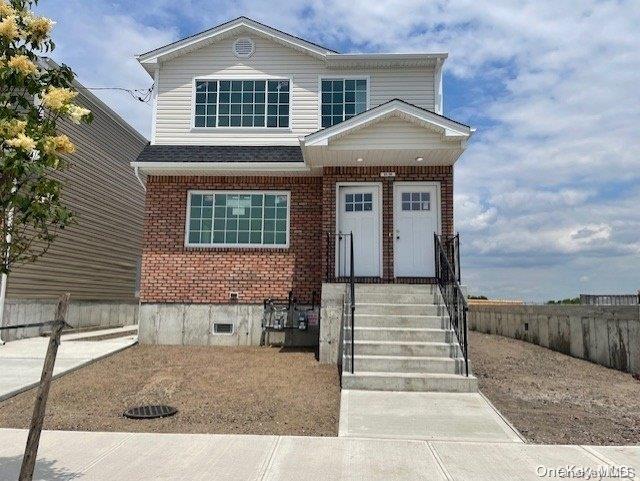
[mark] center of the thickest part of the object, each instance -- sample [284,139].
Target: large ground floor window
[234,218]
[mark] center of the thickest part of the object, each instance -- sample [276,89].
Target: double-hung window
[242,103]
[245,219]
[342,98]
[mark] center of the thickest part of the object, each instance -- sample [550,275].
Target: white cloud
[100,46]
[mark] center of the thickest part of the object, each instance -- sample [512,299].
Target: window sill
[237,248]
[241,129]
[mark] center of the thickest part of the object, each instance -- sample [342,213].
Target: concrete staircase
[403,342]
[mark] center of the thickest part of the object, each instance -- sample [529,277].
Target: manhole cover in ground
[150,412]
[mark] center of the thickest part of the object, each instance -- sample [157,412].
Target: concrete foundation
[331,315]
[81,314]
[193,325]
[606,335]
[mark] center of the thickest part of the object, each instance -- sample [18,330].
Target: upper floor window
[342,98]
[242,103]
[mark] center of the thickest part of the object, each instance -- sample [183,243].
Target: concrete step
[386,381]
[399,309]
[403,348]
[432,365]
[394,298]
[400,334]
[396,288]
[387,320]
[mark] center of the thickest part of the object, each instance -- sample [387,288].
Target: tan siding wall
[97,257]
[175,90]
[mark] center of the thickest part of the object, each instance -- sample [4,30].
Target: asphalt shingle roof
[220,153]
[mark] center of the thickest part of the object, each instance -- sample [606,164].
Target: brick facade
[172,272]
[333,175]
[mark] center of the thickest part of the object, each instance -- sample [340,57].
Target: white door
[415,220]
[358,213]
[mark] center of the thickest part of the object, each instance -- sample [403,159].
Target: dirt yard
[216,390]
[553,398]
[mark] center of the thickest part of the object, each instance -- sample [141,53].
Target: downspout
[439,107]
[136,171]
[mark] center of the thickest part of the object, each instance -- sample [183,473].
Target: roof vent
[243,47]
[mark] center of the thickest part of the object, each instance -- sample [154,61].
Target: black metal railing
[447,259]
[343,270]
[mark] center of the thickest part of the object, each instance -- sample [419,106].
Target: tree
[33,97]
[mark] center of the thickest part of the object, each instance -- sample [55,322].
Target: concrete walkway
[22,360]
[432,416]
[67,455]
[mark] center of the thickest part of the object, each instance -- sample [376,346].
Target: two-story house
[264,146]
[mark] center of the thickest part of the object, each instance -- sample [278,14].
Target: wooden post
[33,440]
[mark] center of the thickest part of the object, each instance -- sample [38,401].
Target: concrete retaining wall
[82,314]
[192,325]
[609,335]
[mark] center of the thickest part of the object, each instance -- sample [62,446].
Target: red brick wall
[332,175]
[172,272]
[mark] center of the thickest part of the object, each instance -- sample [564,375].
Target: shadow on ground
[45,469]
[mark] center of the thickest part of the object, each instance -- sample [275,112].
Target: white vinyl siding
[174,117]
[392,133]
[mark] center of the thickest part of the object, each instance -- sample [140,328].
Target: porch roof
[394,133]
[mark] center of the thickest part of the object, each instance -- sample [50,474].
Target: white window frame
[237,246]
[219,78]
[341,77]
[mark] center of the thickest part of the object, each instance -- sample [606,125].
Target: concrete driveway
[22,360]
[67,455]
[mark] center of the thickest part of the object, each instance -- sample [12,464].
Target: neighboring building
[97,258]
[264,145]
[610,299]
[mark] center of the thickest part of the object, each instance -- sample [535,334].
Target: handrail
[338,273]
[448,278]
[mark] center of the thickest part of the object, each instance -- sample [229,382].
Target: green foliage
[34,95]
[482,298]
[573,300]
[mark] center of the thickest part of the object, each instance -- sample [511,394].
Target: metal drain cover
[150,412]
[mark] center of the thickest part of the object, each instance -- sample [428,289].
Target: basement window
[222,328]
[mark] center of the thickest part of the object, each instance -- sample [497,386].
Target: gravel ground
[248,390]
[552,398]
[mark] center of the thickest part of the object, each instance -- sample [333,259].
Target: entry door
[415,221]
[358,213]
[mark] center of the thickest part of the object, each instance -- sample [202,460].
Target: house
[97,258]
[265,147]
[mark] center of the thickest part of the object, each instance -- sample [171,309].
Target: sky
[547,195]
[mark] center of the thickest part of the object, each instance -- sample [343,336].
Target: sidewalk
[430,416]
[125,456]
[22,360]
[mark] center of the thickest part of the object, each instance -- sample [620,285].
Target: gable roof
[221,31]
[449,128]
[332,58]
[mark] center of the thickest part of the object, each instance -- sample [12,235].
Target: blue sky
[548,193]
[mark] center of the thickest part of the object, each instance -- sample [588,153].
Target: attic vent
[243,47]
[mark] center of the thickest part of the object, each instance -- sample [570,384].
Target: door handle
[397,234]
